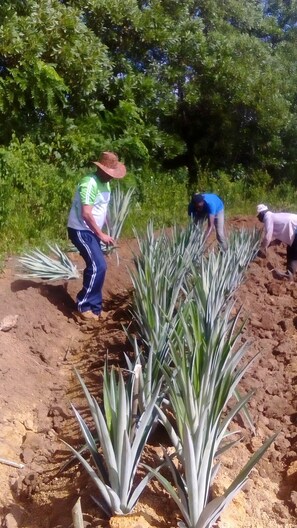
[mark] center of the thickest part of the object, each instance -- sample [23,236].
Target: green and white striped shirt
[90,191]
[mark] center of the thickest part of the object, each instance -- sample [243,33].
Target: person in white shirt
[280,227]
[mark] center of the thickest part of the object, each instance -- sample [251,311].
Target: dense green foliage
[191,94]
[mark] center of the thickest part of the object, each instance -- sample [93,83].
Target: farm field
[45,342]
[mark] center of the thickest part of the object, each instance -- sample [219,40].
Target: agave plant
[205,371]
[149,364]
[117,214]
[193,345]
[245,244]
[218,275]
[38,265]
[214,281]
[159,277]
[116,448]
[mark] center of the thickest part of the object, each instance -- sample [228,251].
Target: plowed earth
[40,343]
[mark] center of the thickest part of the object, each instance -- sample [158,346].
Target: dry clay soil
[41,343]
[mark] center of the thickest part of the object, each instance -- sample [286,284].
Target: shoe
[282,274]
[87,316]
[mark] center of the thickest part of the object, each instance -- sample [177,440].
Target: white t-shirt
[279,226]
[90,191]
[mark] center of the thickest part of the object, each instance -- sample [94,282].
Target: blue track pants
[88,245]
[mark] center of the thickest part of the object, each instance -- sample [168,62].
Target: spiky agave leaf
[119,443]
[247,239]
[37,265]
[118,210]
[218,275]
[117,214]
[215,507]
[158,279]
[148,364]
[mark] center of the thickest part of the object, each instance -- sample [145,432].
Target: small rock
[273,288]
[59,410]
[52,434]
[28,424]
[57,423]
[10,522]
[294,498]
[283,325]
[292,469]
[267,322]
[9,322]
[30,483]
[280,349]
[273,424]
[282,444]
[255,323]
[33,441]
[280,509]
[27,455]
[17,513]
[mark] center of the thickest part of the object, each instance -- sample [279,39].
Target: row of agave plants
[185,373]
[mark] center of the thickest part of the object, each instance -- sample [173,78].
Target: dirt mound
[41,343]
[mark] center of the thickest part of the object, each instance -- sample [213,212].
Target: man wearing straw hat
[85,223]
[280,227]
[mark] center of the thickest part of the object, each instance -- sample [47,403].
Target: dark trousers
[292,256]
[88,245]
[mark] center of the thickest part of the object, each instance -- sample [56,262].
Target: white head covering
[261,208]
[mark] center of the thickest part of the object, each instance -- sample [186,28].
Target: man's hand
[106,239]
[90,221]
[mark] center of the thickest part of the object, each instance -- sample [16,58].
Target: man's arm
[211,225]
[268,232]
[88,217]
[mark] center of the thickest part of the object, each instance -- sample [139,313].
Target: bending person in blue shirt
[210,206]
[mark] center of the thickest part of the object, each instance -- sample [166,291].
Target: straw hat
[109,163]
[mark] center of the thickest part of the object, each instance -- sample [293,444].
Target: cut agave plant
[38,265]
[121,435]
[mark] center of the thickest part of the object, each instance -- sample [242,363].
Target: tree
[51,66]
[205,74]
[198,83]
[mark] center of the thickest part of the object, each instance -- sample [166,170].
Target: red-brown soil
[44,343]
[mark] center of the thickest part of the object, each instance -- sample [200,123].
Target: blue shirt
[213,205]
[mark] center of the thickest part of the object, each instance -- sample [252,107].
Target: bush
[159,197]
[34,197]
